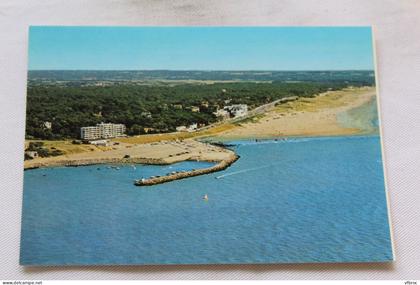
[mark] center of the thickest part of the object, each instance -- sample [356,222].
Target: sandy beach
[316,116]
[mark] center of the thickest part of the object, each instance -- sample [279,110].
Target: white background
[397,30]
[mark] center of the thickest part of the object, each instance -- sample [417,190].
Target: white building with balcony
[102,131]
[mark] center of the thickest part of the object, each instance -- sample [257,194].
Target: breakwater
[222,165]
[93,161]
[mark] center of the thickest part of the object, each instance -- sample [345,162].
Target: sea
[300,200]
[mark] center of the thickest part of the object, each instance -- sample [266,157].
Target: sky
[200,48]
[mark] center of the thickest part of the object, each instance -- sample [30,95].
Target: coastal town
[100,134]
[109,143]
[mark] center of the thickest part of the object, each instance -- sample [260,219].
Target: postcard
[203,145]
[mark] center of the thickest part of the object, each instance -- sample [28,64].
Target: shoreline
[217,141]
[163,153]
[302,117]
[223,140]
[121,161]
[317,116]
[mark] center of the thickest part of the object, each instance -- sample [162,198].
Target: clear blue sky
[186,48]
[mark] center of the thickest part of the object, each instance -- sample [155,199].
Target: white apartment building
[102,131]
[237,110]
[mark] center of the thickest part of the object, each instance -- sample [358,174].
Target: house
[146,114]
[177,106]
[222,114]
[237,110]
[47,125]
[181,129]
[195,109]
[192,128]
[31,154]
[149,130]
[100,143]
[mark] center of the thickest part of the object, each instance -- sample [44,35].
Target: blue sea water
[300,200]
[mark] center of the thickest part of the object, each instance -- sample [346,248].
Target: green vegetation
[147,108]
[41,150]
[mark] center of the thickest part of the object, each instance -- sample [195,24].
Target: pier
[222,165]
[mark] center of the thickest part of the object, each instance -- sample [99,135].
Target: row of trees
[147,108]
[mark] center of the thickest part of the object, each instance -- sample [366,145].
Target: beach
[318,116]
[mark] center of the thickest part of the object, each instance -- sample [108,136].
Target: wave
[297,140]
[246,170]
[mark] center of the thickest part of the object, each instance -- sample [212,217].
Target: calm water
[303,200]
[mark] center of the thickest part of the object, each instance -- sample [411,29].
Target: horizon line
[207,70]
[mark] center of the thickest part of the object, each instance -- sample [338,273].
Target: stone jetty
[221,165]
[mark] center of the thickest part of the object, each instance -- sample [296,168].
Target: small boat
[117,168]
[205,197]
